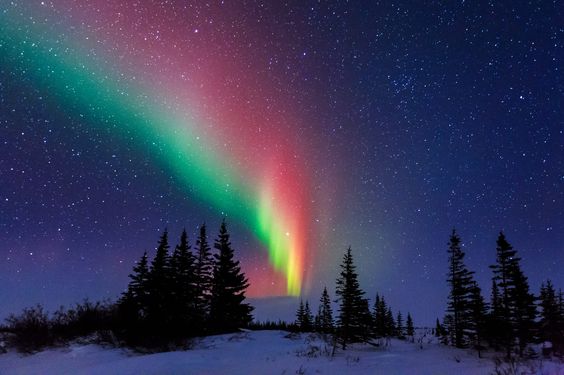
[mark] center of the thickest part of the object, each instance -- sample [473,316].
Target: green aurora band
[109,103]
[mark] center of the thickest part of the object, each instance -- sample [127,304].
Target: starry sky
[310,126]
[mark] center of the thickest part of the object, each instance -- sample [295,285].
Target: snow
[260,352]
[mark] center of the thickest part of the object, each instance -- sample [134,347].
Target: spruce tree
[304,317]
[399,326]
[390,325]
[446,336]
[182,270]
[517,303]
[366,319]
[551,325]
[135,299]
[549,314]
[477,321]
[460,284]
[377,317]
[228,311]
[561,305]
[159,285]
[325,313]
[438,328]
[409,329]
[559,341]
[380,317]
[317,320]
[308,319]
[300,316]
[503,276]
[352,305]
[524,310]
[497,328]
[133,305]
[203,273]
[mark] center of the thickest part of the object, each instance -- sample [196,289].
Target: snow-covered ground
[260,352]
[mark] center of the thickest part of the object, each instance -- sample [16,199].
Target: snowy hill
[260,352]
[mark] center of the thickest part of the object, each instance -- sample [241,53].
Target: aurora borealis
[269,196]
[309,126]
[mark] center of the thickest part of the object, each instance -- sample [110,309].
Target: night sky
[310,126]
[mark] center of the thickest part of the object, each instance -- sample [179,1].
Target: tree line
[185,294]
[195,291]
[355,321]
[513,318]
[511,321]
[170,298]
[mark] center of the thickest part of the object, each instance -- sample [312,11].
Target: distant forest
[193,291]
[510,322]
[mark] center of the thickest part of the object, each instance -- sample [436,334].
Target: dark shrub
[30,330]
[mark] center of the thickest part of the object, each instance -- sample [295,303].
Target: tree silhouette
[409,329]
[159,285]
[228,312]
[497,328]
[524,310]
[438,329]
[460,283]
[390,324]
[203,274]
[134,301]
[352,305]
[325,313]
[477,321]
[551,325]
[399,326]
[300,316]
[184,288]
[379,316]
[516,303]
[307,325]
[505,259]
[304,318]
